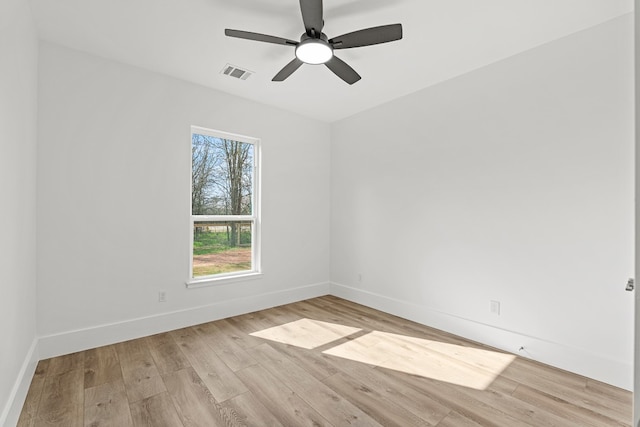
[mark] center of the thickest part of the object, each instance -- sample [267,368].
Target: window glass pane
[222,176]
[221,247]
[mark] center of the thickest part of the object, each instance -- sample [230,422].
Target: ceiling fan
[315,48]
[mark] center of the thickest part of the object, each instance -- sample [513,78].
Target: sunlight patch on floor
[306,333]
[455,364]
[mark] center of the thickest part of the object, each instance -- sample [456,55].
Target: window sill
[214,281]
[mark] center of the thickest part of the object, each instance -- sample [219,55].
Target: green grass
[213,254]
[207,242]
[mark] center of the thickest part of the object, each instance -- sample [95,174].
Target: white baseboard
[13,407]
[562,356]
[83,339]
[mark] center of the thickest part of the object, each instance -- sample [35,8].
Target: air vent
[237,72]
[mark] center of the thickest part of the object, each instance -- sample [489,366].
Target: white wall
[18,97]
[511,183]
[114,202]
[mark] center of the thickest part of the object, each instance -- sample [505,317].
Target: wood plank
[166,353]
[106,405]
[608,391]
[528,369]
[454,419]
[42,368]
[156,411]
[306,333]
[68,362]
[251,322]
[372,319]
[101,366]
[483,407]
[232,331]
[466,366]
[397,392]
[612,397]
[338,410]
[356,315]
[62,400]
[225,345]
[281,315]
[520,410]
[562,385]
[280,400]
[377,320]
[220,380]
[194,403]
[315,309]
[139,372]
[372,402]
[247,411]
[566,410]
[314,362]
[503,385]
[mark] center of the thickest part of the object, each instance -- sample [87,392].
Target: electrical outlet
[495,307]
[162,296]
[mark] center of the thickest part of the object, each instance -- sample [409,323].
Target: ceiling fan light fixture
[314,51]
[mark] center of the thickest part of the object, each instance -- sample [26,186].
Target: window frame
[254,217]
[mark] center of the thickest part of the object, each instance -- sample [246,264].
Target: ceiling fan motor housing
[314,50]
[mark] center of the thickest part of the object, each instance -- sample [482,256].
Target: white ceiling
[442,39]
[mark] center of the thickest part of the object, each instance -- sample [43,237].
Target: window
[225,222]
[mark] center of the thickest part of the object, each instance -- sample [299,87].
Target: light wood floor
[321,362]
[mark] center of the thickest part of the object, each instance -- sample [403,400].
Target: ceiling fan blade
[343,70]
[312,15]
[259,37]
[368,37]
[287,70]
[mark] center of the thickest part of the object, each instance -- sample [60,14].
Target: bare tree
[222,180]
[238,166]
[202,167]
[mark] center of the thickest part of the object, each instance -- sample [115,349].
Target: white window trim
[225,278]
